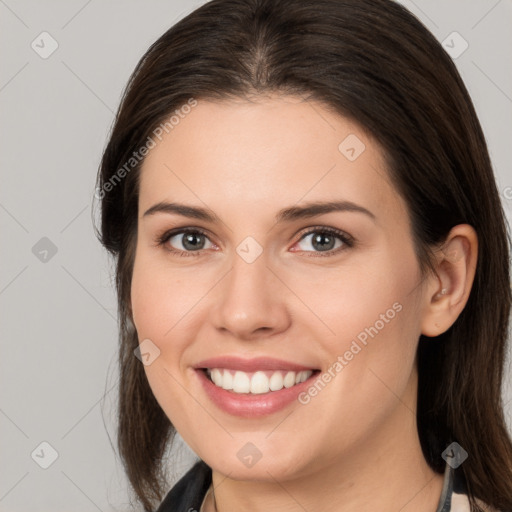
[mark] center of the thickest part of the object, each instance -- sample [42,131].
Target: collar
[454,494]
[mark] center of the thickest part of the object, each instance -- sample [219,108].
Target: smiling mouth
[258,382]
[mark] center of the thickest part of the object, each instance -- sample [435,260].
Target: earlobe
[448,290]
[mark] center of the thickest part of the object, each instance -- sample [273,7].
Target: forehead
[266,153]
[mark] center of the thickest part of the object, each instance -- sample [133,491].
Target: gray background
[58,329]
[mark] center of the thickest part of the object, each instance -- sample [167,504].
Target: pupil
[189,241]
[323,238]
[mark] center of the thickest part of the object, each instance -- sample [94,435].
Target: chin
[258,461]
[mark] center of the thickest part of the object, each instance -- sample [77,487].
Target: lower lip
[249,405]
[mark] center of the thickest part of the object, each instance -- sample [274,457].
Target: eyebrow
[292,213]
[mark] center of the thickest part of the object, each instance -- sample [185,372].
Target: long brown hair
[374,62]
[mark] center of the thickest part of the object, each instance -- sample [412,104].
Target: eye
[185,241]
[192,241]
[326,240]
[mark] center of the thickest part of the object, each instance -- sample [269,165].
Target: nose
[251,300]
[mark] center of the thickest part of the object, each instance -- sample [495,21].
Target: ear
[447,292]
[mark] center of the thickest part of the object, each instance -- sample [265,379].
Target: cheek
[370,299]
[167,310]
[154,307]
[161,301]
[159,312]
[373,317]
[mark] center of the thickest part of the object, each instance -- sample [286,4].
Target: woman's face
[309,313]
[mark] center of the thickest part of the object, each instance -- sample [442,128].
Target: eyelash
[347,240]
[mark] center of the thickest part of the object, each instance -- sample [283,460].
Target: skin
[354,446]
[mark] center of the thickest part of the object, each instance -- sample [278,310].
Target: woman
[312,266]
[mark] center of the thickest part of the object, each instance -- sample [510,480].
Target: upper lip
[251,365]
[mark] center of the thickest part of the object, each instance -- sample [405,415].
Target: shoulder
[188,493]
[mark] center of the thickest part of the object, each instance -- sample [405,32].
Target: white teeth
[258,382]
[289,380]
[302,376]
[216,376]
[227,380]
[241,383]
[276,381]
